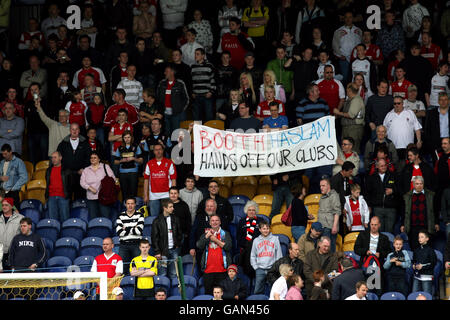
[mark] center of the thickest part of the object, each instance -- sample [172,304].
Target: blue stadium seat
[190,285]
[116,241]
[31,203]
[203,297]
[32,213]
[75,228]
[246,280]
[284,242]
[148,226]
[232,228]
[91,246]
[99,227]
[438,269]
[264,217]
[162,282]
[238,203]
[189,269]
[58,264]
[371,296]
[84,262]
[79,203]
[174,298]
[139,202]
[45,214]
[127,285]
[257,297]
[48,228]
[200,286]
[67,247]
[413,295]
[49,246]
[80,213]
[392,296]
[389,235]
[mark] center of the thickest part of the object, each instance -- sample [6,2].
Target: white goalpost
[54,279]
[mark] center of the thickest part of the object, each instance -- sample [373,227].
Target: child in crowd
[356,210]
[395,265]
[233,287]
[295,285]
[319,292]
[424,261]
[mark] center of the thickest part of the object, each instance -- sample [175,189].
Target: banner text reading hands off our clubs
[223,153]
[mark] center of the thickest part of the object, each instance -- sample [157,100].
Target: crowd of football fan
[115,90]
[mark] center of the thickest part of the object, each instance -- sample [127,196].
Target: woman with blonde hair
[269,79]
[247,91]
[230,110]
[279,288]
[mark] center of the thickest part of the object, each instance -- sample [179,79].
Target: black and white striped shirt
[130,228]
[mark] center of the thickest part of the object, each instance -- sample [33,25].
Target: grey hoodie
[265,251]
[192,198]
[9,230]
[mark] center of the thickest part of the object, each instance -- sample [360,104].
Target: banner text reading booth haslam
[226,153]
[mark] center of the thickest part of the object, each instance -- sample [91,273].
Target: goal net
[56,285]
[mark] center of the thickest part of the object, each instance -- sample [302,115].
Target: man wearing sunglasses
[401,125]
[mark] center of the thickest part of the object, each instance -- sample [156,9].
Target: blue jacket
[17,173]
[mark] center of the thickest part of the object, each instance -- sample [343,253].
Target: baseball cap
[9,200]
[77,295]
[249,54]
[117,290]
[412,88]
[317,226]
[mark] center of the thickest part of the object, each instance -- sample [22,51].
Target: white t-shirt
[74,143]
[280,287]
[401,127]
[355,297]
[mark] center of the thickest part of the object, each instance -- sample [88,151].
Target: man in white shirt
[401,126]
[361,291]
[188,49]
[50,25]
[344,40]
[132,87]
[438,85]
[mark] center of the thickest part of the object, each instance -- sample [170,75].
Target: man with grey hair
[329,211]
[57,130]
[58,188]
[372,146]
[419,212]
[323,259]
[11,128]
[352,115]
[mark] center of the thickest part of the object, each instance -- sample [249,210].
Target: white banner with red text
[219,153]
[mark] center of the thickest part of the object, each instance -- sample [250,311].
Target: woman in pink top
[90,180]
[295,284]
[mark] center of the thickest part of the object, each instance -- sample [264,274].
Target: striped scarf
[250,224]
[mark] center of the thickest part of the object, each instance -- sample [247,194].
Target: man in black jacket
[433,131]
[224,208]
[27,250]
[233,287]
[167,239]
[58,190]
[382,196]
[340,182]
[372,242]
[292,259]
[344,284]
[181,211]
[416,167]
[75,152]
[173,95]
